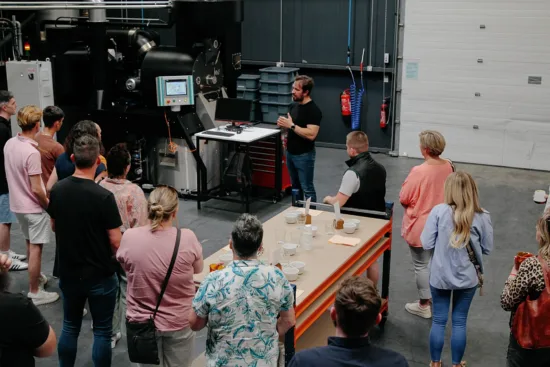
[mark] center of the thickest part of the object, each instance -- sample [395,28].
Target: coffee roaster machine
[150,91]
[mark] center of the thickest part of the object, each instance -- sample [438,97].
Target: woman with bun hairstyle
[145,254]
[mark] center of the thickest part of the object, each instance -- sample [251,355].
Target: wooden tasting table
[327,265]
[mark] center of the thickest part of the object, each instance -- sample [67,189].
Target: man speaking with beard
[302,122]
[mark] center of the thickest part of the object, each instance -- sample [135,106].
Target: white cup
[289,249]
[355,221]
[291,218]
[291,273]
[300,265]
[349,228]
[539,196]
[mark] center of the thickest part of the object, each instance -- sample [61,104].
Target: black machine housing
[106,71]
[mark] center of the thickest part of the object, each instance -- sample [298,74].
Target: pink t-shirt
[423,189]
[145,256]
[22,159]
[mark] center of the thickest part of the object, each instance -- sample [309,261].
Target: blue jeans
[101,295]
[441,298]
[301,170]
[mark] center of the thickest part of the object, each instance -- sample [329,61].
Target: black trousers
[519,357]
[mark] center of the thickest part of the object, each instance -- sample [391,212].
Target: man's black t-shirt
[24,330]
[303,115]
[83,212]
[5,135]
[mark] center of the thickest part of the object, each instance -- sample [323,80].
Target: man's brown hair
[28,117]
[306,82]
[357,306]
[358,140]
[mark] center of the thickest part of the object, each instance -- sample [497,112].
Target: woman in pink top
[422,190]
[145,254]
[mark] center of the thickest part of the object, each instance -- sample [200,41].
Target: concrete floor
[506,193]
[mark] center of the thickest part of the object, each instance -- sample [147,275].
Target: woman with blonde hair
[527,294]
[422,190]
[145,254]
[459,232]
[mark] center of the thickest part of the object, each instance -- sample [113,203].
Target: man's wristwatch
[293,127]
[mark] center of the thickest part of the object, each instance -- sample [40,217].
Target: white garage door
[479,72]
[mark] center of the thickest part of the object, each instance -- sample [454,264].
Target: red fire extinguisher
[345,102]
[384,113]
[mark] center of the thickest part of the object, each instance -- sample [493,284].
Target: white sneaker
[13,255]
[114,339]
[42,297]
[416,309]
[42,281]
[17,265]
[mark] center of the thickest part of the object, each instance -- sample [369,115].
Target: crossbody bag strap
[169,273]
[473,259]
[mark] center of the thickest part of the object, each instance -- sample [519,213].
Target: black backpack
[238,173]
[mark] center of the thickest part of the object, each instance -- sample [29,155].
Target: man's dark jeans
[301,169]
[519,357]
[101,295]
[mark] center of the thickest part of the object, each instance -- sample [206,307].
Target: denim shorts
[6,215]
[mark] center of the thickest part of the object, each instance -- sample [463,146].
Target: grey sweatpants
[175,348]
[421,261]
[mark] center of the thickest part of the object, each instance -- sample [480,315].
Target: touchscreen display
[176,88]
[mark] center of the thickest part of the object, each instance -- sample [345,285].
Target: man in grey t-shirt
[363,185]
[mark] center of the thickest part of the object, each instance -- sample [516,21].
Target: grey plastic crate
[276,97]
[248,81]
[275,74]
[276,87]
[250,94]
[272,111]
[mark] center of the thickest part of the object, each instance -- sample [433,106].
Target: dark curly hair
[85,127]
[118,159]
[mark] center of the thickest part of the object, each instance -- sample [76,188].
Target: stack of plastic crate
[248,87]
[276,91]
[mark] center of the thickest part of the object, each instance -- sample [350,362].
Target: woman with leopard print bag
[527,294]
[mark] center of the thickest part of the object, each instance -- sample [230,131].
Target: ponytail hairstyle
[462,196]
[543,234]
[162,204]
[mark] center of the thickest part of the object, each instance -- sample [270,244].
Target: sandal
[432,364]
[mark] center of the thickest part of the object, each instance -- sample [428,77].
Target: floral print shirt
[130,200]
[242,303]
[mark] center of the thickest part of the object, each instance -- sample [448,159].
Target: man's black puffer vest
[372,178]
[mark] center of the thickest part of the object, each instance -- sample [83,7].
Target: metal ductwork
[97,15]
[45,5]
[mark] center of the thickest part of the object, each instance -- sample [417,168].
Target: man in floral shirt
[241,304]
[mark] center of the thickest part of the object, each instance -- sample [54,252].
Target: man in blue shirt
[356,310]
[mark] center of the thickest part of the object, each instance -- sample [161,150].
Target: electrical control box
[31,83]
[175,91]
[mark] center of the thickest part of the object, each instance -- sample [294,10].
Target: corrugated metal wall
[466,72]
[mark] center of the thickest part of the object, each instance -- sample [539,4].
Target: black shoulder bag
[142,336]
[473,259]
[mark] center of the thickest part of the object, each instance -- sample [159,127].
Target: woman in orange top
[422,190]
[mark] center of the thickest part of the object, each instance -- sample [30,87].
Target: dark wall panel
[261,32]
[324,31]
